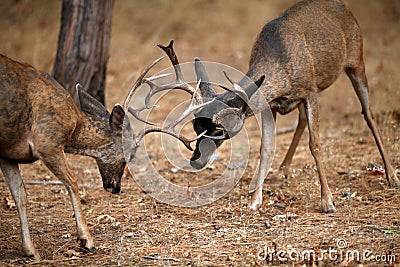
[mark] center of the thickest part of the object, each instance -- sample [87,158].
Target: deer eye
[201,124]
[198,126]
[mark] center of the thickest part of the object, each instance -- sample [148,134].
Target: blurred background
[220,31]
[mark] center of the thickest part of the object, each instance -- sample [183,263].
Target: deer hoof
[87,244]
[92,249]
[32,254]
[256,199]
[328,206]
[34,257]
[284,170]
[255,204]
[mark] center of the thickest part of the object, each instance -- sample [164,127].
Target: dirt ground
[133,229]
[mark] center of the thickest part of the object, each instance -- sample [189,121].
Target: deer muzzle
[205,147]
[113,187]
[111,174]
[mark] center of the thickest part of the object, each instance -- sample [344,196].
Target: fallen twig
[286,129]
[150,257]
[53,183]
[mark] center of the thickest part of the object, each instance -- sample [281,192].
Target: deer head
[222,119]
[218,117]
[197,103]
[109,156]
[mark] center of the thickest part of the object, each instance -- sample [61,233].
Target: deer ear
[231,119]
[253,87]
[207,91]
[117,118]
[75,95]
[89,104]
[250,91]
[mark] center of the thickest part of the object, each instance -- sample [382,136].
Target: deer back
[307,47]
[33,104]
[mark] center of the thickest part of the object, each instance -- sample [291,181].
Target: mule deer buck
[39,120]
[301,53]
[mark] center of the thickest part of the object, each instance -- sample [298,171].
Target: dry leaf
[71,253]
[10,203]
[105,218]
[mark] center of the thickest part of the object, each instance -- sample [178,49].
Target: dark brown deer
[39,120]
[301,53]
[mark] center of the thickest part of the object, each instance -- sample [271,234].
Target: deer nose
[116,189]
[197,164]
[195,160]
[204,149]
[113,187]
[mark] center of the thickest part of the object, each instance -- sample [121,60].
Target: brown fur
[301,53]
[39,120]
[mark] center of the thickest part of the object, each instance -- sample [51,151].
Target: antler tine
[191,108]
[154,88]
[139,82]
[237,89]
[186,141]
[179,82]
[136,114]
[170,128]
[169,50]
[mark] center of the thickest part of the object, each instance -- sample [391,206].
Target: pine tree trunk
[83,45]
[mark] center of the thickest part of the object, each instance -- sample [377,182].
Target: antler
[236,88]
[245,95]
[140,80]
[179,82]
[170,128]
[196,102]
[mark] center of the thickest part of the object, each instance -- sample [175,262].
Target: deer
[40,120]
[296,56]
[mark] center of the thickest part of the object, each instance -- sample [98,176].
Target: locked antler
[170,128]
[179,82]
[196,102]
[236,88]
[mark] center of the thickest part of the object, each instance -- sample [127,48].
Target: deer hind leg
[302,123]
[360,84]
[13,177]
[57,164]
[312,112]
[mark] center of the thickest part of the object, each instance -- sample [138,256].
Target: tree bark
[83,45]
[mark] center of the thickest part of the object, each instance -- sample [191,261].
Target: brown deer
[39,120]
[301,53]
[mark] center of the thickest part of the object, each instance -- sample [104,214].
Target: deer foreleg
[13,177]
[58,166]
[266,157]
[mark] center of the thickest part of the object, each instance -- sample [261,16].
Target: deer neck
[277,90]
[275,78]
[89,137]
